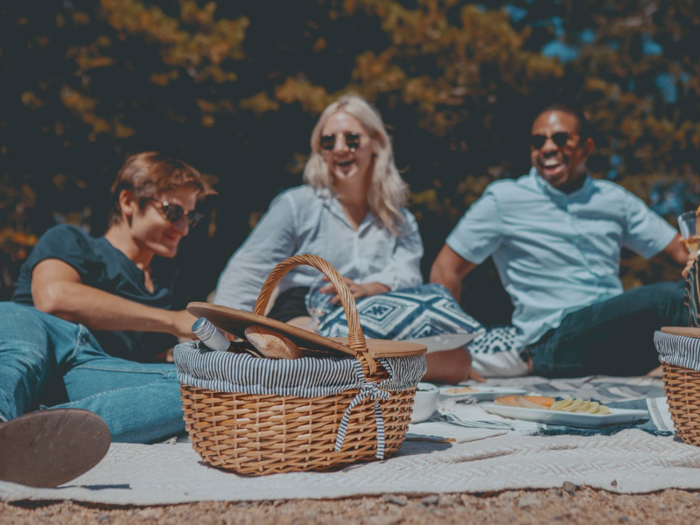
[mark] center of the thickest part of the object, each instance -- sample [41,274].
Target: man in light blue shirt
[555,236]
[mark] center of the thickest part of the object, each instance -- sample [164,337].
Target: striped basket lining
[678,350]
[307,377]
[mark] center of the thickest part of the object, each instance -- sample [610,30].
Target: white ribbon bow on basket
[371,391]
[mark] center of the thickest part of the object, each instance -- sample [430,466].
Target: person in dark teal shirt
[82,306]
[104,267]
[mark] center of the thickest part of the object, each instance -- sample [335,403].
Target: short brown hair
[146,174]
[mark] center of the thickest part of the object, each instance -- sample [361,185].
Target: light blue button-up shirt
[557,253]
[303,220]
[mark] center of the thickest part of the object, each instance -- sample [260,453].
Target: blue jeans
[614,337]
[139,402]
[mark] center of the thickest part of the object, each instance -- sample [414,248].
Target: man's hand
[691,259]
[182,322]
[357,290]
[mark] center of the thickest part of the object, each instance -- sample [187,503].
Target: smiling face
[561,158]
[150,229]
[346,162]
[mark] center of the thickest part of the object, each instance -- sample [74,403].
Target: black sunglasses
[352,141]
[174,212]
[560,138]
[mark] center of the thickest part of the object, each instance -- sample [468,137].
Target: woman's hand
[691,259]
[357,290]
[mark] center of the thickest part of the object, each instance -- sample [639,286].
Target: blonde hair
[388,192]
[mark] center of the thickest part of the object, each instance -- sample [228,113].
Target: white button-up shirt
[307,221]
[557,253]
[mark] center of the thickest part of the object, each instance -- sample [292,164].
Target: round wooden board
[684,331]
[236,321]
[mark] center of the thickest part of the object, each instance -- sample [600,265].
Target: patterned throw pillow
[426,314]
[497,339]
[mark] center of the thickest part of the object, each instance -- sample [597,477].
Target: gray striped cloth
[678,350]
[307,377]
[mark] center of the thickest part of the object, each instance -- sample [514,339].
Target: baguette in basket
[272,344]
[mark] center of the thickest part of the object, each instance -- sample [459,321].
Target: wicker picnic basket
[679,349]
[250,424]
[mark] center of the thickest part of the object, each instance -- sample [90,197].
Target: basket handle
[356,336]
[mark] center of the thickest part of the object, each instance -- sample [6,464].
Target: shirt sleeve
[403,270]
[646,233]
[70,245]
[479,232]
[272,240]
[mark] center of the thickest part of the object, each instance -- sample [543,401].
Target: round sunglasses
[352,141]
[560,138]
[174,212]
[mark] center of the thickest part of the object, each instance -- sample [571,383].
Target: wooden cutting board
[236,321]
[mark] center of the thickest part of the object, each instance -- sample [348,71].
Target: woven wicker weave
[266,434]
[682,387]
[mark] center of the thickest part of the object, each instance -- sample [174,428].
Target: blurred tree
[235,88]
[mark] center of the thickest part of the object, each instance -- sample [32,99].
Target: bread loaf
[272,344]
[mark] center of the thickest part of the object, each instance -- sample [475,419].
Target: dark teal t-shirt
[106,268]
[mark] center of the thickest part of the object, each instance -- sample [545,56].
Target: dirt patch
[570,505]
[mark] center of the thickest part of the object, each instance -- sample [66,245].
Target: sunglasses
[352,141]
[561,139]
[175,212]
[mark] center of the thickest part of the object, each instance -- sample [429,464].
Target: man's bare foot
[168,356]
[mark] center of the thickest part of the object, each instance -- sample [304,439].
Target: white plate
[483,393]
[442,343]
[619,416]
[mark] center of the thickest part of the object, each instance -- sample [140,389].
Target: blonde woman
[350,211]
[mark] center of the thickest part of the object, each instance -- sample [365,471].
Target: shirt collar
[546,188]
[333,204]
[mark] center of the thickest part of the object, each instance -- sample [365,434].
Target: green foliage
[234,88]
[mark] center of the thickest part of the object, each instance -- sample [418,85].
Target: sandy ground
[570,505]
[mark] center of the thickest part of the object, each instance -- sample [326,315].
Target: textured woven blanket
[486,458]
[631,461]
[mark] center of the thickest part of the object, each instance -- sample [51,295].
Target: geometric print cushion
[424,312]
[497,339]
[497,353]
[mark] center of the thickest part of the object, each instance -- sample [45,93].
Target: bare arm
[452,366]
[58,290]
[676,250]
[449,269]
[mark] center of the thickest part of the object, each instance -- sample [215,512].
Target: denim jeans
[614,337]
[139,402]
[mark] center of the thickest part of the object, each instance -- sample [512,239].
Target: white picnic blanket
[631,461]
[488,454]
